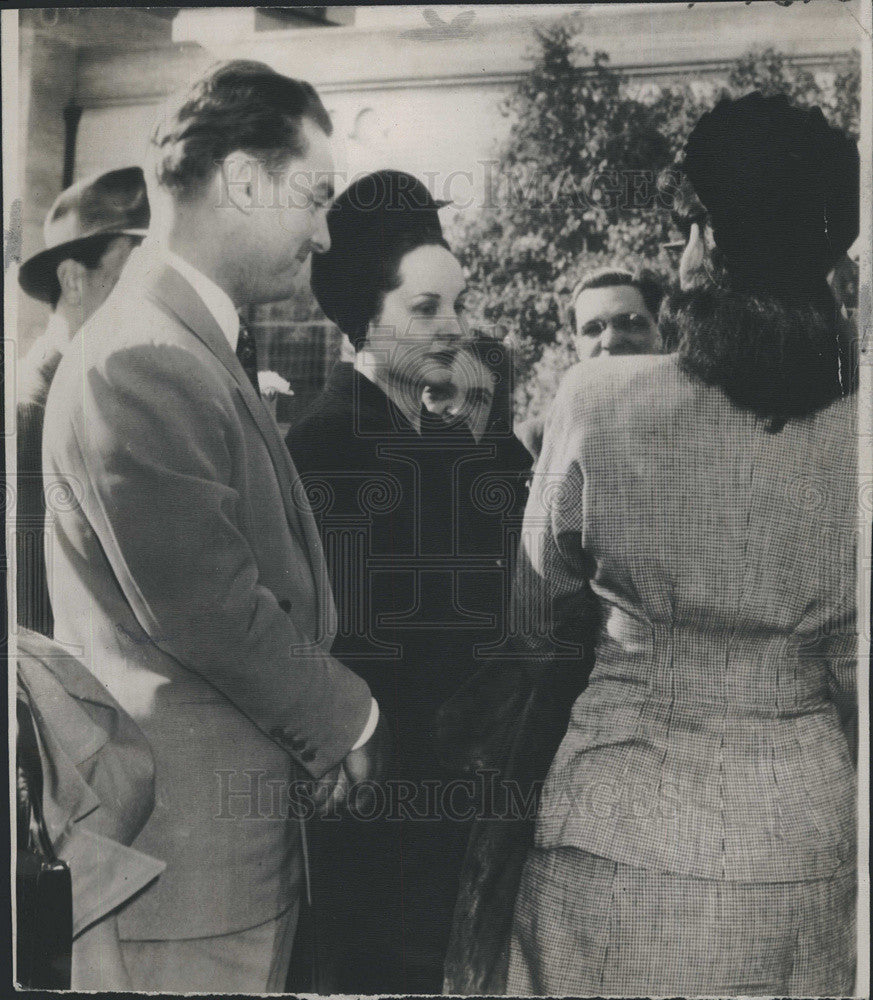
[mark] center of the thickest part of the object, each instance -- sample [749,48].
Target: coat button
[285,606]
[308,756]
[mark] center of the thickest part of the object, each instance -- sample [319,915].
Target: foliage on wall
[576,186]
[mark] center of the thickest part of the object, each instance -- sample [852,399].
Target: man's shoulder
[134,347]
[133,328]
[130,315]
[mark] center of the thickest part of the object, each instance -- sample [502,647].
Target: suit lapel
[278,454]
[297,508]
[165,284]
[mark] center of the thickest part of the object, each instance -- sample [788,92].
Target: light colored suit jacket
[190,578]
[708,741]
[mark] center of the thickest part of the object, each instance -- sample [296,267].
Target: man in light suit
[190,573]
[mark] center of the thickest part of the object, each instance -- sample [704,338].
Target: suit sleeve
[169,522]
[554,607]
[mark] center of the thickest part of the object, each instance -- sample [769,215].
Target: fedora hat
[110,204]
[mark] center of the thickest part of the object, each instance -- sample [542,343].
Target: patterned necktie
[247,352]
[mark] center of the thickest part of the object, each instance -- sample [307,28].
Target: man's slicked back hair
[238,105]
[646,282]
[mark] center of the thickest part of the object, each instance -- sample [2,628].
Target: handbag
[44,891]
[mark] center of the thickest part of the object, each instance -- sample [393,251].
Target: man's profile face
[614,320]
[289,218]
[99,281]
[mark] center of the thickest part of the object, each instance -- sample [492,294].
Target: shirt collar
[216,300]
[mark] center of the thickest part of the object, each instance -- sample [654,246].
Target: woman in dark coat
[696,832]
[418,485]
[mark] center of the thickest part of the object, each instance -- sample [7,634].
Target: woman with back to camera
[415,479]
[696,833]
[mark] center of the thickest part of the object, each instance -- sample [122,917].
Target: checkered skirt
[585,925]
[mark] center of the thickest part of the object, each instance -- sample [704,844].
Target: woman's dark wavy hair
[373,224]
[242,105]
[780,189]
[777,357]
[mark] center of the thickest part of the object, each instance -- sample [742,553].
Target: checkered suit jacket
[709,740]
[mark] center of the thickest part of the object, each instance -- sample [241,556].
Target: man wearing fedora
[90,231]
[191,569]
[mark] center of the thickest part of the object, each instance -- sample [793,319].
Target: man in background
[89,231]
[612,311]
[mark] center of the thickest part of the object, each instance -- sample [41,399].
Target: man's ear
[71,278]
[239,181]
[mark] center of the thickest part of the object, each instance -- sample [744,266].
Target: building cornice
[496,53]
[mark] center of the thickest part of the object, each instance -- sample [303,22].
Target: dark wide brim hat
[109,204]
[781,188]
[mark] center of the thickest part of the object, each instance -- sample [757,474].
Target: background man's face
[288,220]
[614,320]
[98,282]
